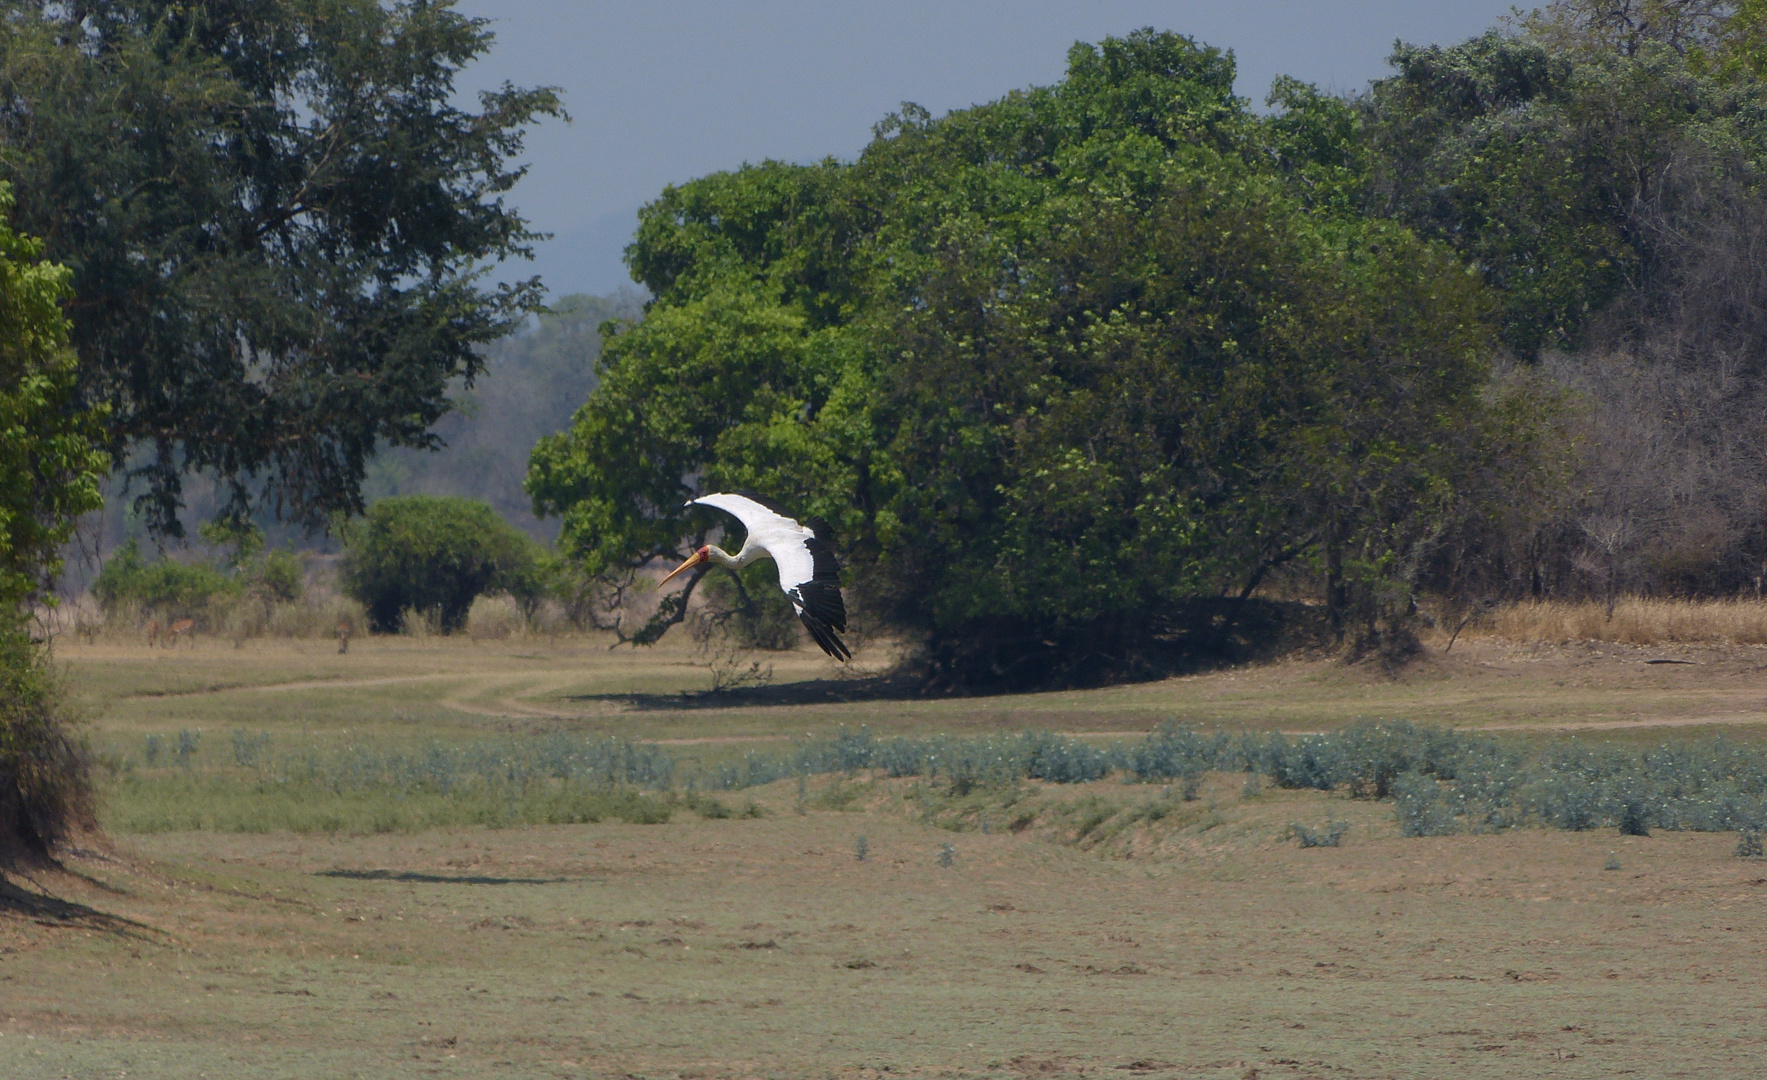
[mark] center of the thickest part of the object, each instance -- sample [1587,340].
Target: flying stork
[808,571]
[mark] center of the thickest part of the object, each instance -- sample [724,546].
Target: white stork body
[808,572]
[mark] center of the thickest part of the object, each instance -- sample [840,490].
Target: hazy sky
[661,92]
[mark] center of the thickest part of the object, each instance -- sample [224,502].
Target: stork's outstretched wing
[819,603]
[808,572]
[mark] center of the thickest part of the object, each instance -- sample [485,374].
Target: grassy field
[433,687]
[1022,928]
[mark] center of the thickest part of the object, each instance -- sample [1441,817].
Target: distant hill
[532,384]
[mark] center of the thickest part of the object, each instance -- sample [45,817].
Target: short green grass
[171,802]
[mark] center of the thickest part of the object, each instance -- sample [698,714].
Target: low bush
[963,763]
[1333,836]
[434,555]
[1449,782]
[494,618]
[165,588]
[1440,781]
[1424,806]
[248,748]
[251,593]
[1178,753]
[278,578]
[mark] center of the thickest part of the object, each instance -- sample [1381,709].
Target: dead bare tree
[1626,26]
[1609,537]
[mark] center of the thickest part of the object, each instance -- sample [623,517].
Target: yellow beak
[692,560]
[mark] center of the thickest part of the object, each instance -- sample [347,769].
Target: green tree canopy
[50,467]
[1064,370]
[275,216]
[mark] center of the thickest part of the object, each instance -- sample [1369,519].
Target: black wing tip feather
[825,637]
[823,612]
[822,601]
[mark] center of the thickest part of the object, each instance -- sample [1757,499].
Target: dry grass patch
[1634,622]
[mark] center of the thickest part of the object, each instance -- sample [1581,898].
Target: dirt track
[1732,680]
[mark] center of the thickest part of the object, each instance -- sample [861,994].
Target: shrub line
[1440,781]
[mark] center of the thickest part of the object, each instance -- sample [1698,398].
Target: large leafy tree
[274,214]
[1600,163]
[50,469]
[1071,372]
[1567,161]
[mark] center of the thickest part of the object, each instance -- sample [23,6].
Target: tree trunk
[1337,592]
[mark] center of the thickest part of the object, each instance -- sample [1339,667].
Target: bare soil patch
[742,948]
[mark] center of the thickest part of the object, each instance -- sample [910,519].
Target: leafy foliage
[1553,160]
[433,555]
[278,577]
[1333,836]
[275,215]
[1441,781]
[1424,806]
[167,586]
[49,467]
[1451,781]
[174,588]
[49,475]
[1599,163]
[1070,372]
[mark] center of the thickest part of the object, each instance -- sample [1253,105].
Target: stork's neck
[748,554]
